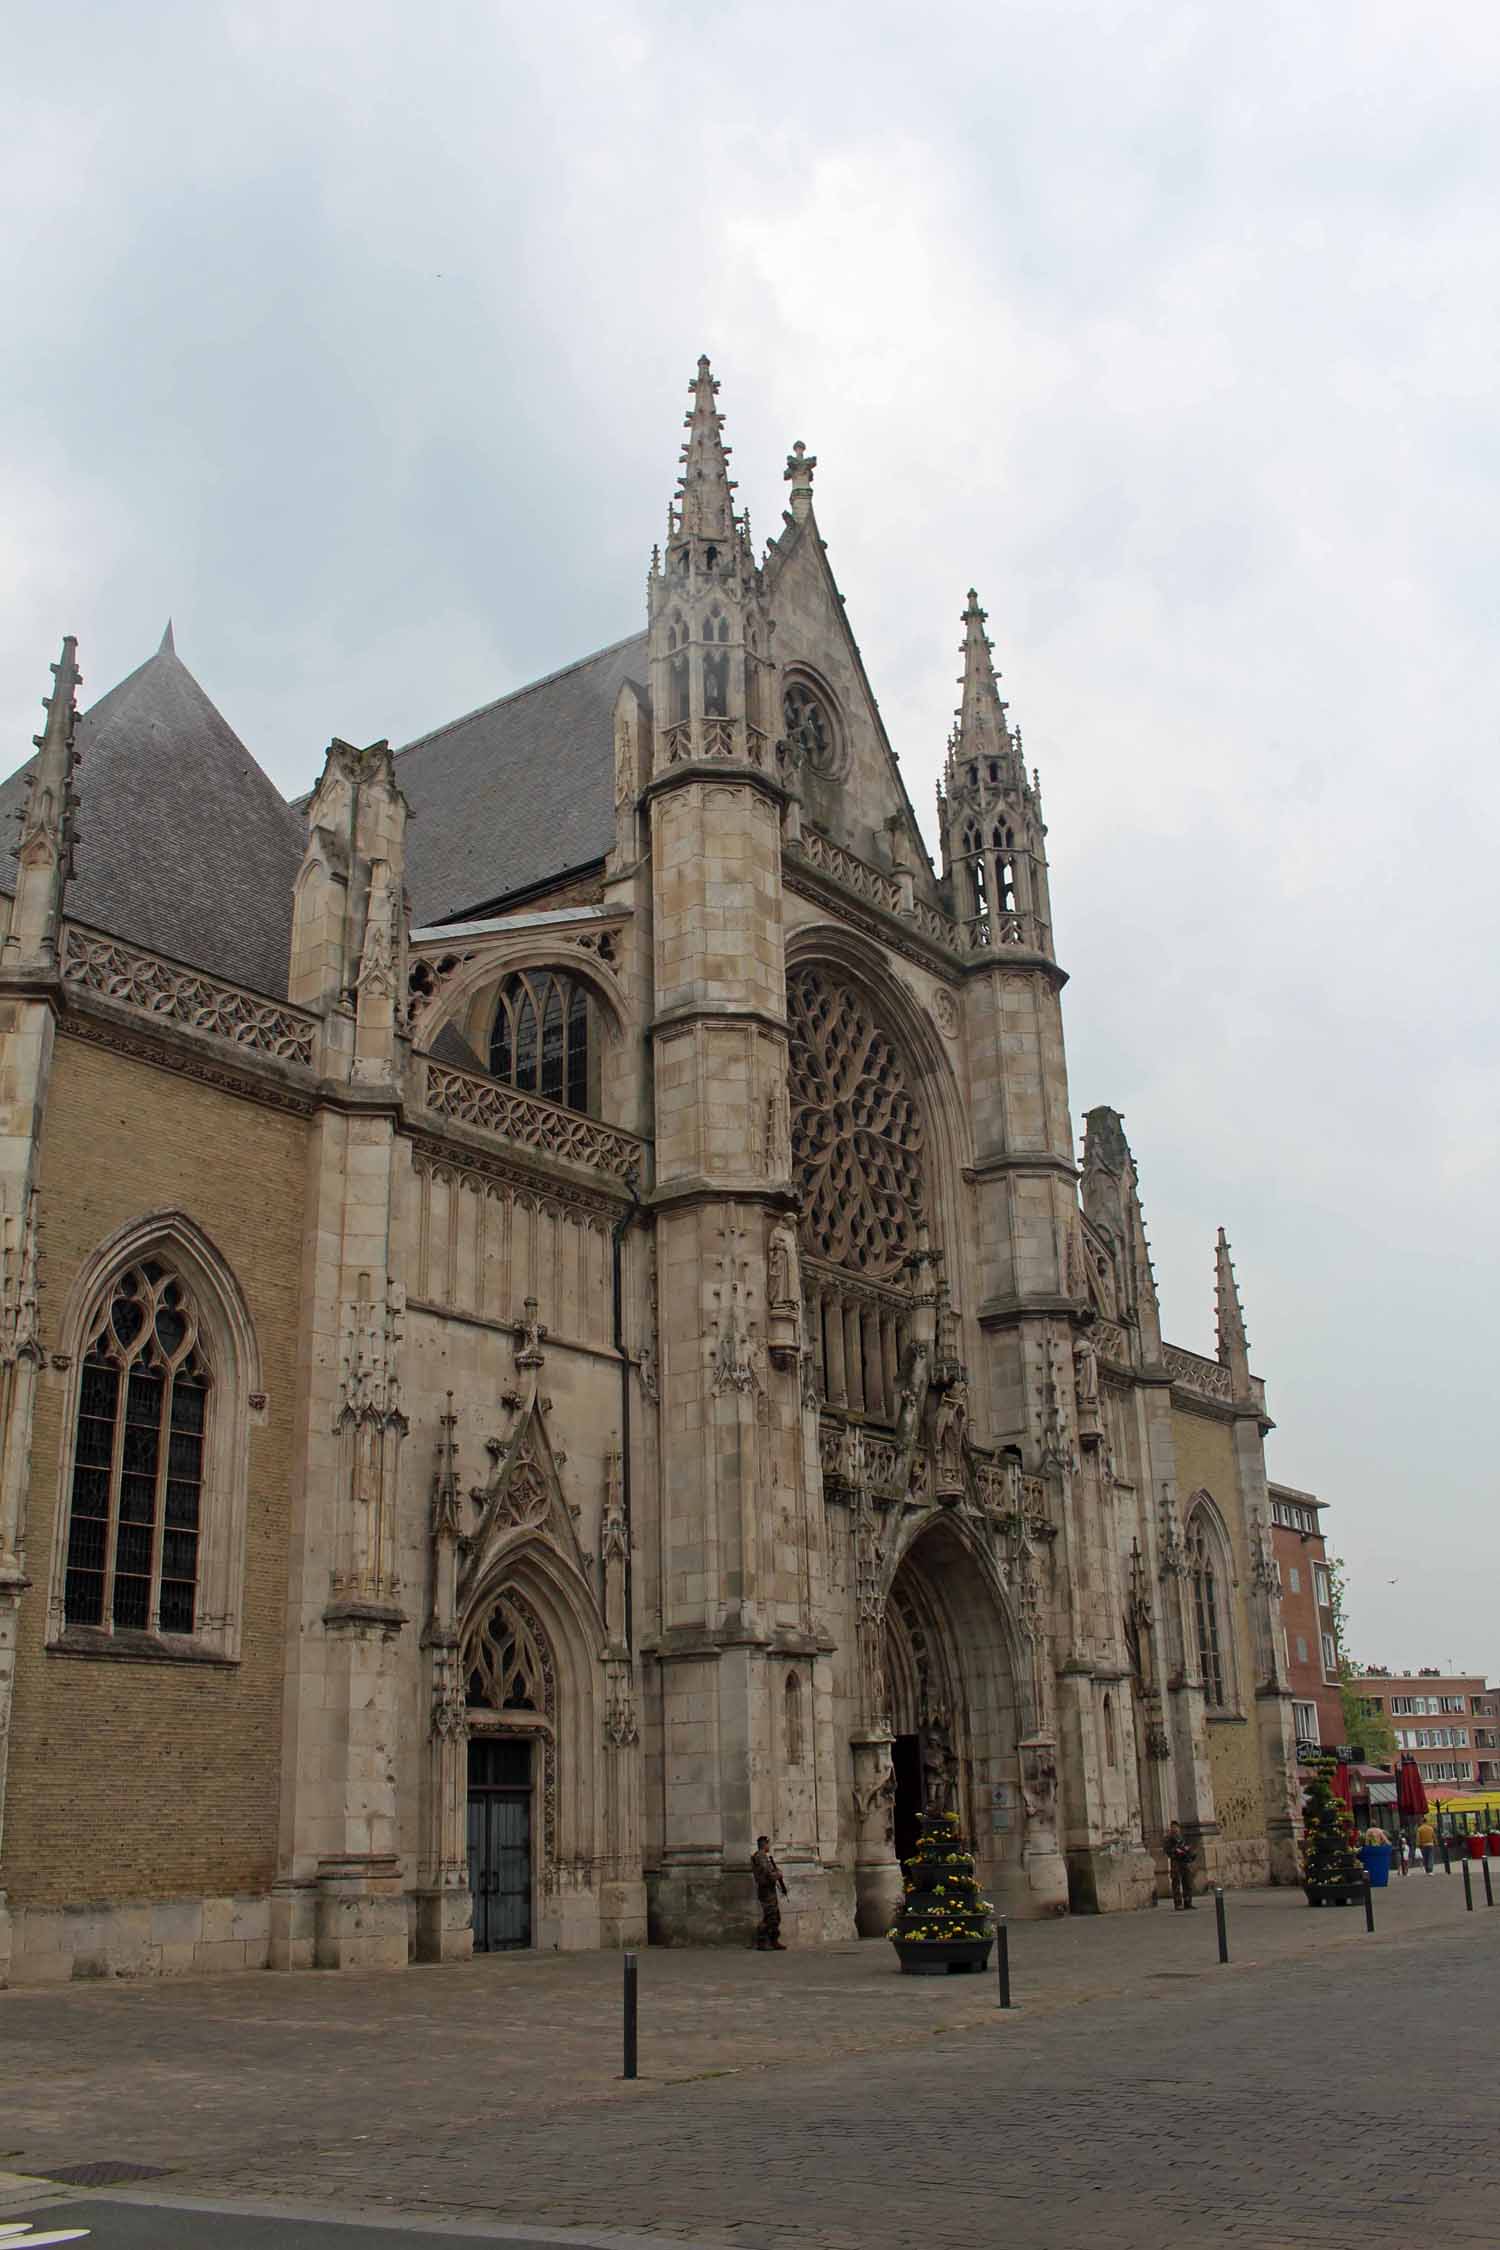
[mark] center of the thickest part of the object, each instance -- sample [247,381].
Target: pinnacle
[168,645]
[705,506]
[61,705]
[981,714]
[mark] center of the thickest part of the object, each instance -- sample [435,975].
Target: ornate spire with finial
[705,506]
[980,730]
[48,834]
[1234,1344]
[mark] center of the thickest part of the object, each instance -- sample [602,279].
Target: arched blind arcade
[542,1039]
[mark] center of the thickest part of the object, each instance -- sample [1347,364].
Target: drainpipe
[617,1243]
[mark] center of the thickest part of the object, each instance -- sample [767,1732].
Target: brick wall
[152,1779]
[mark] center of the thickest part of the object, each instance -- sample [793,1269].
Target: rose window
[856,1131]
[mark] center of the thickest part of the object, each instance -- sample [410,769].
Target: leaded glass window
[137,1489]
[541,1041]
[1207,1614]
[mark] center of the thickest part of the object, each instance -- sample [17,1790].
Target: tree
[1372,1731]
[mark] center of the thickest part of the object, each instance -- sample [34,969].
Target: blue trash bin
[1377,1863]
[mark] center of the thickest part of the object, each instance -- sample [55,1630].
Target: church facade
[553,1323]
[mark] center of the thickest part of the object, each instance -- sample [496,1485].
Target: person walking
[1426,1842]
[770,1890]
[1179,1853]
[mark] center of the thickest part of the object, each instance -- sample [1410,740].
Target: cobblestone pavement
[1328,2087]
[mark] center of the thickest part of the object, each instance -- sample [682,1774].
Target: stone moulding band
[531,1122]
[160,988]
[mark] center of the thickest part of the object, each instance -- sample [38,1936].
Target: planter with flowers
[1331,1871]
[944,1926]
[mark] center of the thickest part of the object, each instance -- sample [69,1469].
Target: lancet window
[1209,1579]
[138,1459]
[542,1039]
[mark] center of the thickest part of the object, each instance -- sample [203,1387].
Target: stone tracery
[857,1140]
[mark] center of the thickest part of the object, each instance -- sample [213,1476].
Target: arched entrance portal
[512,1711]
[955,1712]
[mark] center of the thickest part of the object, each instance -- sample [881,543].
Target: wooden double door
[500,1879]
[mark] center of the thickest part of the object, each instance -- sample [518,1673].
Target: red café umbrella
[1411,1793]
[1339,1783]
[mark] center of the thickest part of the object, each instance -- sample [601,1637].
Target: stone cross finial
[798,473]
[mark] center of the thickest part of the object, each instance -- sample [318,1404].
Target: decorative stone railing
[1195,1373]
[172,994]
[530,1121]
[880,888]
[1111,1341]
[856,874]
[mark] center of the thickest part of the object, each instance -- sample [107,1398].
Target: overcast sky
[356,337]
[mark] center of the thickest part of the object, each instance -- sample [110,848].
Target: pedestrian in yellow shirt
[1426,1838]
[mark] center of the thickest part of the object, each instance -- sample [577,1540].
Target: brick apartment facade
[1448,1722]
[1307,1614]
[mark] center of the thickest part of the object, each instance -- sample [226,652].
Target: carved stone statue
[1039,1783]
[781,1267]
[913,1394]
[939,1768]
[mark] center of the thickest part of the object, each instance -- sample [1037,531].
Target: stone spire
[705,506]
[1234,1344]
[44,849]
[981,729]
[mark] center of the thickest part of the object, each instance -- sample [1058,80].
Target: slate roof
[516,794]
[185,846]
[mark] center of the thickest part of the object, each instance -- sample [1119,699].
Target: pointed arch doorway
[511,1697]
[955,1713]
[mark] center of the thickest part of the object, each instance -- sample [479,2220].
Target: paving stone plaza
[1327,2087]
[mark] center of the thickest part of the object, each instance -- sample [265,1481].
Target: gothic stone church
[552,1322]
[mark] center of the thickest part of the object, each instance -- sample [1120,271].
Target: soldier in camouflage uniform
[770,1889]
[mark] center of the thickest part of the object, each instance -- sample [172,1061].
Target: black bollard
[1468,1886]
[1002,1958]
[630,1989]
[1443,1848]
[1369,1904]
[1223,1924]
[1489,1890]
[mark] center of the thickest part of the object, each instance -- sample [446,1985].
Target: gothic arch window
[542,1040]
[508,1663]
[1111,1739]
[138,1458]
[1210,1577]
[155,1461]
[716,667]
[809,729]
